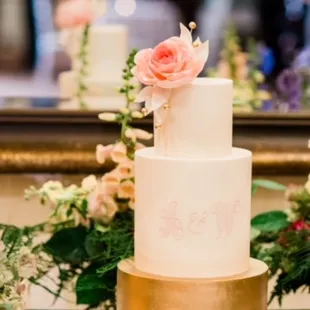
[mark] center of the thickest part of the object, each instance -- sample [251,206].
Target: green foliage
[67,245]
[270,221]
[92,288]
[270,185]
[282,240]
[128,87]
[82,88]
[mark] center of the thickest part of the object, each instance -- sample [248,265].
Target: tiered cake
[107,53]
[193,193]
[192,215]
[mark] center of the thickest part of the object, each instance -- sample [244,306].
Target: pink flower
[300,225]
[101,207]
[126,169]
[74,13]
[126,190]
[171,64]
[110,183]
[119,153]
[103,152]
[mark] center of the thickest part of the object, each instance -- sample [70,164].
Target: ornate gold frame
[53,141]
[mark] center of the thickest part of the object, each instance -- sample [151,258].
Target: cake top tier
[198,121]
[193,116]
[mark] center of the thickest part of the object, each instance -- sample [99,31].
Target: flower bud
[124,110]
[142,134]
[137,114]
[108,117]
[129,133]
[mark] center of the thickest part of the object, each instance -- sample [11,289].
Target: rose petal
[160,96]
[144,95]
[202,53]
[186,35]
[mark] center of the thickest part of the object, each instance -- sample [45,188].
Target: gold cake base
[137,290]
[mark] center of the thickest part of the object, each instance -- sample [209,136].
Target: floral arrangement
[243,69]
[78,15]
[91,225]
[20,263]
[282,240]
[293,84]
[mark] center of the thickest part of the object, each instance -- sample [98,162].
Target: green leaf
[255,233]
[94,245]
[268,185]
[270,221]
[93,289]
[11,235]
[67,245]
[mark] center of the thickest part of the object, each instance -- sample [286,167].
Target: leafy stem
[82,87]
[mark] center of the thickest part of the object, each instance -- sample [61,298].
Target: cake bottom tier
[137,290]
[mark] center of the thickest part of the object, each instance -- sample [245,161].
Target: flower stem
[127,90]
[82,87]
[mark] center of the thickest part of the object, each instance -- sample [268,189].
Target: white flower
[142,134]
[5,276]
[27,263]
[89,183]
[52,186]
[108,117]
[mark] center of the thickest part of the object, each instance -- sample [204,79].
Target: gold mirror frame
[53,141]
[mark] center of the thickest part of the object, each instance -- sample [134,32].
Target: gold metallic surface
[60,160]
[140,291]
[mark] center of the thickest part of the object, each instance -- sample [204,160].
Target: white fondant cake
[107,53]
[193,189]
[199,123]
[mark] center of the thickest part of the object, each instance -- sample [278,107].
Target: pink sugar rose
[171,64]
[74,13]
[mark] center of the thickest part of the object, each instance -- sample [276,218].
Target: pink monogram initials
[197,223]
[223,213]
[172,225]
[225,217]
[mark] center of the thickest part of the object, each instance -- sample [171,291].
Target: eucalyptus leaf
[270,221]
[267,184]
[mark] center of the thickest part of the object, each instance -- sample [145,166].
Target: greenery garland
[83,56]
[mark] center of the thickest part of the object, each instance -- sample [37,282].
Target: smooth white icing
[107,54]
[198,123]
[192,216]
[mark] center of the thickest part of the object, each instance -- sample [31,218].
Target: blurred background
[29,47]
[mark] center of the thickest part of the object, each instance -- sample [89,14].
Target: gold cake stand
[137,290]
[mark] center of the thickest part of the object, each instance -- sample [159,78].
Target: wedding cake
[106,52]
[193,194]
